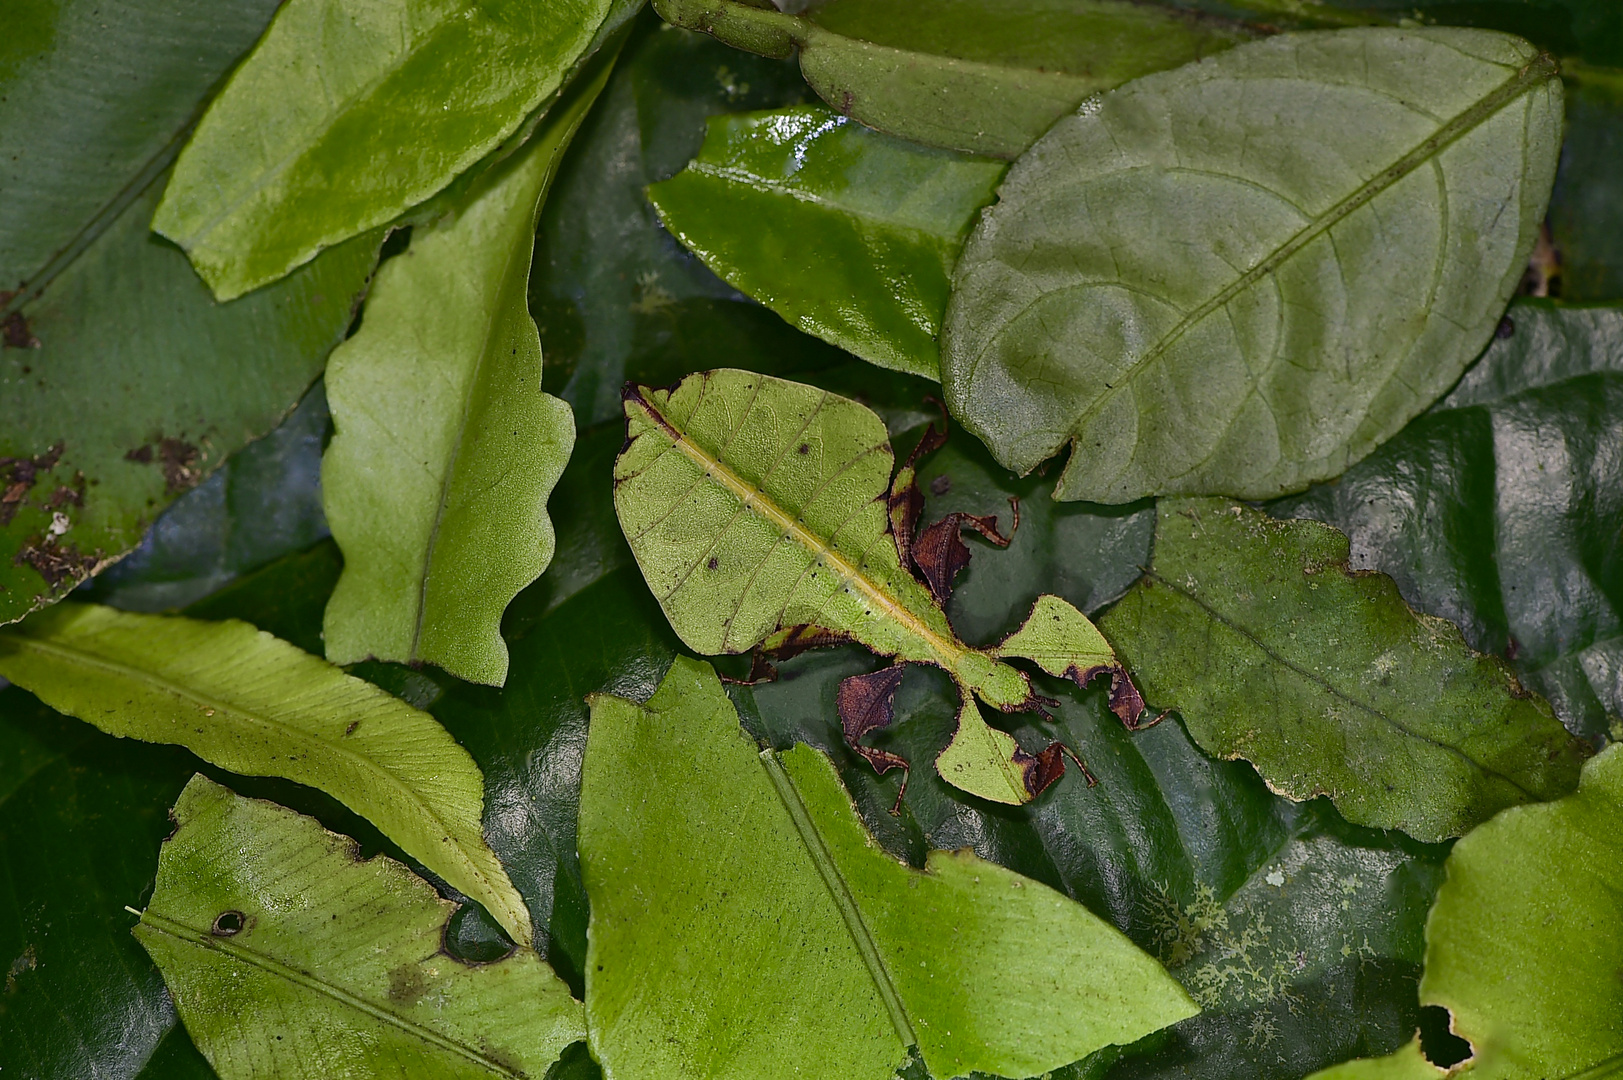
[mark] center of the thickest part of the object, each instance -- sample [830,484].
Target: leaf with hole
[725,882]
[759,512]
[1274,651]
[847,233]
[1242,276]
[239,698]
[307,144]
[289,956]
[984,76]
[436,480]
[1525,941]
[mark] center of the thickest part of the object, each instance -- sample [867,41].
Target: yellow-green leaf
[248,702]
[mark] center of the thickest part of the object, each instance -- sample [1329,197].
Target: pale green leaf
[757,509]
[1274,650]
[847,233]
[436,481]
[289,957]
[744,923]
[1242,276]
[986,76]
[248,702]
[346,115]
[1525,942]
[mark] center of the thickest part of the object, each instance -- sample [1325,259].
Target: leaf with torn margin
[248,702]
[289,956]
[436,481]
[725,881]
[1242,276]
[758,510]
[987,76]
[1274,651]
[1525,941]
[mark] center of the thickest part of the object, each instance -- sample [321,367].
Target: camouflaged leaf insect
[763,514]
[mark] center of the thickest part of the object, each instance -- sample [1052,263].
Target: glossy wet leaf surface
[849,234]
[983,77]
[364,86]
[253,704]
[446,448]
[1523,945]
[1147,288]
[1499,509]
[257,904]
[730,878]
[1273,650]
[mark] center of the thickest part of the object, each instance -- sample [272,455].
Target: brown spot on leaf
[940,553]
[18,477]
[55,562]
[406,984]
[14,332]
[141,455]
[179,461]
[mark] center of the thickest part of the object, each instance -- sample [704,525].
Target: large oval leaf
[725,882]
[289,957]
[1242,276]
[986,76]
[306,144]
[247,702]
[436,480]
[1275,651]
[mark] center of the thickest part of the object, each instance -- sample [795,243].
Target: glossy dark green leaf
[849,234]
[1586,207]
[1500,510]
[984,76]
[83,816]
[615,297]
[1203,286]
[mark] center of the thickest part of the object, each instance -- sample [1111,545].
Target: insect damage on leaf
[763,513]
[340,959]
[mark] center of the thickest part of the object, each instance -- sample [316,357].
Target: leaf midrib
[199,939]
[303,738]
[948,652]
[856,926]
[1336,691]
[1540,69]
